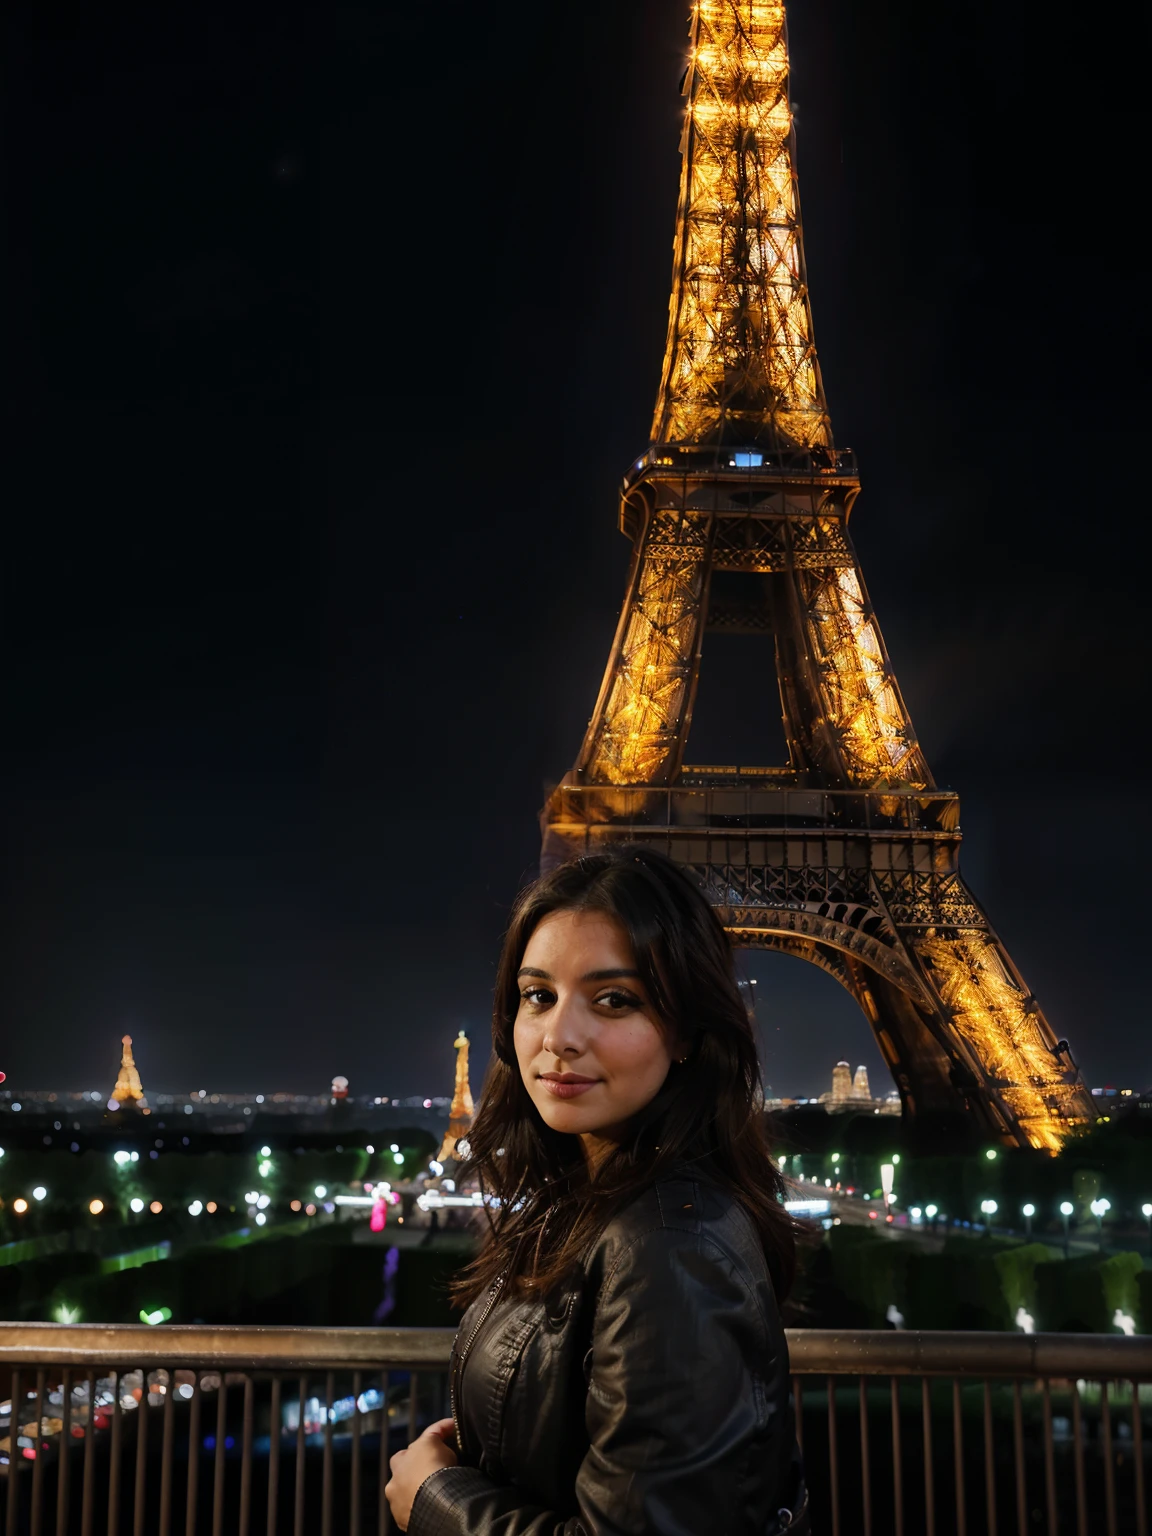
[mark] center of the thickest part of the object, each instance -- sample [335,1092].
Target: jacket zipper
[462,1355]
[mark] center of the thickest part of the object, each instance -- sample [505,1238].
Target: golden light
[990,1012]
[20,1206]
[295,1205]
[156,1207]
[309,1210]
[95,1206]
[211,1207]
[740,336]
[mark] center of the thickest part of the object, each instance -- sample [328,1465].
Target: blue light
[748,460]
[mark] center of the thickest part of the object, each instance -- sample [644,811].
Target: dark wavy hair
[548,1209]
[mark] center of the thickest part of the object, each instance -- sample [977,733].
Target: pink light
[379,1216]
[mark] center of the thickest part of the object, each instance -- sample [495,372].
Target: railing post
[12,1502]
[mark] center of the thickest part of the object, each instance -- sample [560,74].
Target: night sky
[329,331]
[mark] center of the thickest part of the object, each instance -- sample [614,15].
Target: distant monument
[850,1092]
[841,1084]
[129,1091]
[460,1114]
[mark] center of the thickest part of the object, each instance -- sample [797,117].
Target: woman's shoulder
[684,1208]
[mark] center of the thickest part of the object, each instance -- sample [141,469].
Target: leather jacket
[649,1396]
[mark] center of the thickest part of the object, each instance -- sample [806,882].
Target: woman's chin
[571,1119]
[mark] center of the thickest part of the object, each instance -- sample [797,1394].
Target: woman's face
[591,1051]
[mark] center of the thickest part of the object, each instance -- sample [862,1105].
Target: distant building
[850,1092]
[841,1084]
[461,1111]
[129,1091]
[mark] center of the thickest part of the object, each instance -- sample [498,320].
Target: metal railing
[240,1431]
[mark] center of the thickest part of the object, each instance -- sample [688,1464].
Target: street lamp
[989,1207]
[887,1178]
[1066,1209]
[1098,1209]
[1147,1209]
[1028,1212]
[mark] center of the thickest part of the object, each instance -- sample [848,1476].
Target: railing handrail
[813,1351]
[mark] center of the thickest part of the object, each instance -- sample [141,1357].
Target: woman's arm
[684,1431]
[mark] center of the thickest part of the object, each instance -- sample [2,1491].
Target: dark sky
[329,331]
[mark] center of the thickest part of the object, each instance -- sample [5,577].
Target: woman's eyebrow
[530,970]
[609,975]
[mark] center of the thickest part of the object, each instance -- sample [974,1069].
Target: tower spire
[740,365]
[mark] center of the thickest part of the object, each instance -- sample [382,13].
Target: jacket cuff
[435,1509]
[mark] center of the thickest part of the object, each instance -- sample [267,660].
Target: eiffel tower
[848,854]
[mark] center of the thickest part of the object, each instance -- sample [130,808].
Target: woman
[621,1369]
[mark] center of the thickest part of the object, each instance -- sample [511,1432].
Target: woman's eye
[536,997]
[619,1002]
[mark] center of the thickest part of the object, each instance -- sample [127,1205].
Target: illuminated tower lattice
[129,1091]
[848,854]
[460,1113]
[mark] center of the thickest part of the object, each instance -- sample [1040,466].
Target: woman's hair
[547,1209]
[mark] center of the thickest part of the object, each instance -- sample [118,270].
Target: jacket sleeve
[681,1427]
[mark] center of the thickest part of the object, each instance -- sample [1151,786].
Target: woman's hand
[432,1451]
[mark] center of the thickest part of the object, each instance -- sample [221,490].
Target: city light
[20,1206]
[137,1206]
[156,1207]
[1066,1209]
[263,1202]
[120,1158]
[991,1154]
[265,1151]
[916,1213]
[39,1193]
[320,1191]
[394,1147]
[95,1206]
[1029,1210]
[195,1208]
[397,1157]
[930,1212]
[1147,1210]
[211,1207]
[154,1319]
[265,1169]
[295,1206]
[370,1150]
[260,1218]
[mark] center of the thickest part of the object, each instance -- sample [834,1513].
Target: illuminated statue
[460,1114]
[129,1091]
[847,854]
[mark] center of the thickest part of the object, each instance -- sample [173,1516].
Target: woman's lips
[568,1087]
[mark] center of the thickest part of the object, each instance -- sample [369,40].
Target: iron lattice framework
[848,856]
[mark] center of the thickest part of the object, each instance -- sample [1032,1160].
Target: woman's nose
[563,1034]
